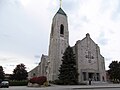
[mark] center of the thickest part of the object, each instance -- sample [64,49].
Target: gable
[87,53]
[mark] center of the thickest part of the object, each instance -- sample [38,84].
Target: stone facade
[34,72]
[41,69]
[58,43]
[90,62]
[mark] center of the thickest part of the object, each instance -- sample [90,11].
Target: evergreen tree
[114,71]
[68,70]
[20,73]
[2,74]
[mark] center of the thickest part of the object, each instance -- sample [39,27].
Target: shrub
[33,80]
[39,80]
[58,82]
[18,83]
[82,83]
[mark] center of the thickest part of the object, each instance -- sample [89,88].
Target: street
[33,88]
[100,89]
[54,88]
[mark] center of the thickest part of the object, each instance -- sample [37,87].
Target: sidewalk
[79,87]
[96,86]
[73,87]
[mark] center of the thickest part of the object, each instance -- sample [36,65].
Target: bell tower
[59,41]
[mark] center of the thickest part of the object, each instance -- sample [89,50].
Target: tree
[114,71]
[20,73]
[2,74]
[68,69]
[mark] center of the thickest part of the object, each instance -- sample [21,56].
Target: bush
[58,82]
[82,83]
[18,83]
[39,80]
[0,80]
[33,80]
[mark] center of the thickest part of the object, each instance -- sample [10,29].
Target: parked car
[4,84]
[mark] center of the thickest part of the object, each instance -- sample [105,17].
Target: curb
[102,87]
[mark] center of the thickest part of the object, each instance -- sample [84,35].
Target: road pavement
[77,87]
[34,88]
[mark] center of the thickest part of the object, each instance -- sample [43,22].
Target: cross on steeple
[60,3]
[89,56]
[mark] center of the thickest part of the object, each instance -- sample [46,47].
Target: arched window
[52,30]
[34,74]
[62,29]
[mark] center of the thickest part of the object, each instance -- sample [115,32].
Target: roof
[60,11]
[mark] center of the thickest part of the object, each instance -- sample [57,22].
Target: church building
[90,62]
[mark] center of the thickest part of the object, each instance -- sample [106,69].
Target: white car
[4,84]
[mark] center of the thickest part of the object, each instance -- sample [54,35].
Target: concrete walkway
[103,86]
[72,87]
[96,86]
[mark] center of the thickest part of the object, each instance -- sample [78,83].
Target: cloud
[37,56]
[4,59]
[11,65]
[102,39]
[10,60]
[25,24]
[101,19]
[25,27]
[70,5]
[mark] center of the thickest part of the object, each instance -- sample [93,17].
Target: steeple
[59,41]
[60,11]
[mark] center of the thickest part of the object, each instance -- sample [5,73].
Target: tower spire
[60,3]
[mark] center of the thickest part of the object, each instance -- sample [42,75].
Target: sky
[25,27]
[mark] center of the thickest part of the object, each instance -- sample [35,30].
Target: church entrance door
[90,75]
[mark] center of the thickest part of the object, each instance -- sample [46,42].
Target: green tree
[2,74]
[114,71]
[20,73]
[68,70]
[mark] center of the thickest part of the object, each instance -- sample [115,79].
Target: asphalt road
[33,88]
[100,89]
[51,88]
